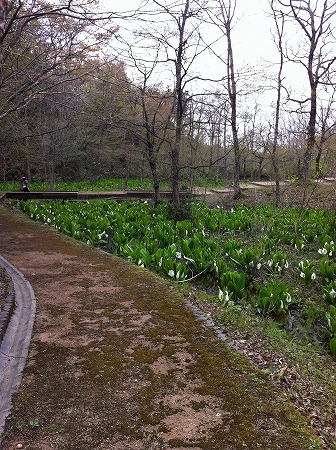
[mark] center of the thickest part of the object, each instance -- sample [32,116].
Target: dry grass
[314,195]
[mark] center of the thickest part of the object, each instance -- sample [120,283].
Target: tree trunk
[27,169]
[175,181]
[4,167]
[156,182]
[232,89]
[274,157]
[127,168]
[320,148]
[260,161]
[179,115]
[311,135]
[52,170]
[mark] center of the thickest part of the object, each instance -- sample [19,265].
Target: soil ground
[320,194]
[118,361]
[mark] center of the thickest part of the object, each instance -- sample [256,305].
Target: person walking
[24,184]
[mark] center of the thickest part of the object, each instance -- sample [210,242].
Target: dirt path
[118,362]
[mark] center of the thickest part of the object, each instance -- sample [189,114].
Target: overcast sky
[252,39]
[251,33]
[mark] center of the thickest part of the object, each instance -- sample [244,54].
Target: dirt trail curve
[116,361]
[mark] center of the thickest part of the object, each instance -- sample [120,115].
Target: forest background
[165,90]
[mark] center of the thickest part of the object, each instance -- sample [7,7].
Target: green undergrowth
[108,184]
[277,263]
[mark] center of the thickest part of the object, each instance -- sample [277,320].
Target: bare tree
[41,41]
[326,121]
[185,35]
[279,25]
[43,46]
[156,109]
[174,35]
[154,125]
[223,16]
[316,19]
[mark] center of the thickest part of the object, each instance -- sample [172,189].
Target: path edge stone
[16,340]
[8,309]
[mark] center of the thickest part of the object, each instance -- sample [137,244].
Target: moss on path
[118,362]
